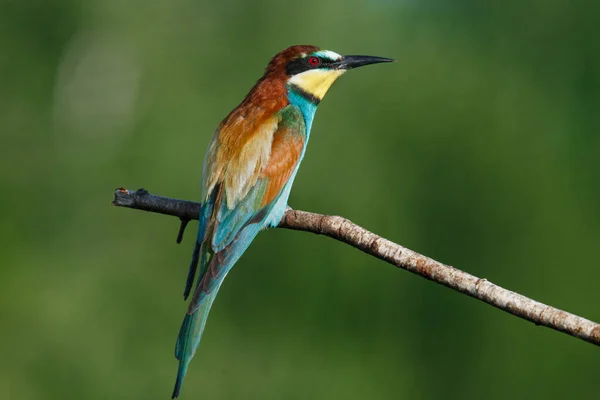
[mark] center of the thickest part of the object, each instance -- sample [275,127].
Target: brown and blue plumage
[248,172]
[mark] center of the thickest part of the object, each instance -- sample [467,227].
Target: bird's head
[310,71]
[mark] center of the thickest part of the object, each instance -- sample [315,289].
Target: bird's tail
[189,337]
[213,268]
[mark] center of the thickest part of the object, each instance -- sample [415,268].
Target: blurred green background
[479,148]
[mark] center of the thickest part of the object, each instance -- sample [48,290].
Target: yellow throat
[316,82]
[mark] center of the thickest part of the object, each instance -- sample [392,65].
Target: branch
[344,230]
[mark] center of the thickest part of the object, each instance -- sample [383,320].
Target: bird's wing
[238,151]
[285,151]
[247,189]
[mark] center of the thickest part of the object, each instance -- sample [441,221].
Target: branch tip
[184,223]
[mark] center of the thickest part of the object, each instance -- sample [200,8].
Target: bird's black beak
[349,62]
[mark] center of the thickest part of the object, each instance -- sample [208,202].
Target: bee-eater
[249,170]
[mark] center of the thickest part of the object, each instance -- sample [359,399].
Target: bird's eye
[314,61]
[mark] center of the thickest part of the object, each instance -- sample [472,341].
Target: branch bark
[344,230]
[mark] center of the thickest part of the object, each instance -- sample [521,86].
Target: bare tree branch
[344,230]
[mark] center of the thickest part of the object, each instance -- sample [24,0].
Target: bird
[248,172]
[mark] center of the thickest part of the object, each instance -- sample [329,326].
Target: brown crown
[279,61]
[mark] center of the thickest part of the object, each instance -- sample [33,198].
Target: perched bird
[248,172]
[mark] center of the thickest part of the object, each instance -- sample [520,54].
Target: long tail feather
[213,270]
[192,271]
[189,338]
[179,350]
[205,211]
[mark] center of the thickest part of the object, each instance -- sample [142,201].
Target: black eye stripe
[300,65]
[296,66]
[326,60]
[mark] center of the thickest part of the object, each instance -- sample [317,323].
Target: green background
[479,148]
